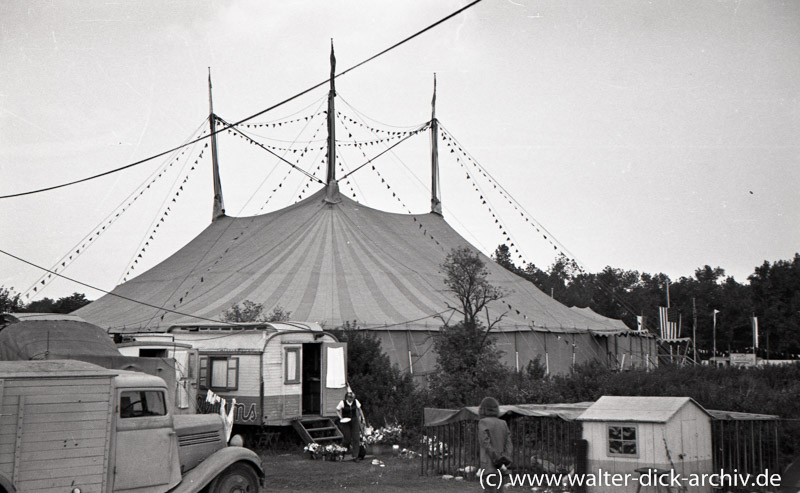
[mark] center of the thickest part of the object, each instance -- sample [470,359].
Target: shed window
[292,373]
[622,441]
[220,373]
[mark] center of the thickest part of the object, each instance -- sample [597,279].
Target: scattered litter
[447,476]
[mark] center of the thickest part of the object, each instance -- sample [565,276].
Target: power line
[292,98]
[114,294]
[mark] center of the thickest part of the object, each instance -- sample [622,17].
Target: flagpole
[694,329]
[715,337]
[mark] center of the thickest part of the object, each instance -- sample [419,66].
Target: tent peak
[332,193]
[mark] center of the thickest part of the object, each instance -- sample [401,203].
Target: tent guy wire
[255,115]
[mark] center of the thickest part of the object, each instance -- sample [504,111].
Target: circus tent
[334,261]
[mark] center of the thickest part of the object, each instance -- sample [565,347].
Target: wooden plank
[52,381]
[58,452]
[95,488]
[62,444]
[29,475]
[68,465]
[18,438]
[107,464]
[68,417]
[74,407]
[83,482]
[64,435]
[77,388]
[67,398]
[65,426]
[18,443]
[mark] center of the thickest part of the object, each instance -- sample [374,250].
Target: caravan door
[334,376]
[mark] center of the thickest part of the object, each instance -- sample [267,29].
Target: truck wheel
[239,478]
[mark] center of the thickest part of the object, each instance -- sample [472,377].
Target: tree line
[10,302]
[772,295]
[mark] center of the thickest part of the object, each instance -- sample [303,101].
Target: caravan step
[324,430]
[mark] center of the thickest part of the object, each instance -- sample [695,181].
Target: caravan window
[219,373]
[292,373]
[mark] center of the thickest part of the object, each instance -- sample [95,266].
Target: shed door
[334,375]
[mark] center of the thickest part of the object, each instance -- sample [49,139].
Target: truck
[37,336]
[72,426]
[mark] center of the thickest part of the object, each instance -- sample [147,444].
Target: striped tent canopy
[330,263]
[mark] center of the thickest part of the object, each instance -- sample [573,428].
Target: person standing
[351,422]
[494,437]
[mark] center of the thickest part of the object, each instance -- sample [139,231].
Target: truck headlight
[236,441]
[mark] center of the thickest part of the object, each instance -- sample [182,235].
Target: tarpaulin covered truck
[71,426]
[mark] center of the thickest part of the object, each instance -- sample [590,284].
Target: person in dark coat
[351,422]
[493,435]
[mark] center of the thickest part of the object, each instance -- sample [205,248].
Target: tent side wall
[412,349]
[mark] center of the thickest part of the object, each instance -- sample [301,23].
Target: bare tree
[253,312]
[466,277]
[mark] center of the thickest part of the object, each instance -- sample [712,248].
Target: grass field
[296,472]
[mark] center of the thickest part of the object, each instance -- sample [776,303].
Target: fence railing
[541,445]
[747,446]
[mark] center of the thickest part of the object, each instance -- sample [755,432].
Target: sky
[652,136]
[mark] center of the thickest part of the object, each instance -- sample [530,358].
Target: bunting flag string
[486,202]
[104,225]
[375,130]
[456,148]
[383,180]
[163,214]
[297,162]
[199,280]
[538,227]
[279,124]
[252,141]
[348,182]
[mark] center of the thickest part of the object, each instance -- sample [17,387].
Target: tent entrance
[312,378]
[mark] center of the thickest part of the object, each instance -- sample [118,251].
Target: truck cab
[89,429]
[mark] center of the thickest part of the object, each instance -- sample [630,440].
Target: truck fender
[205,472]
[6,484]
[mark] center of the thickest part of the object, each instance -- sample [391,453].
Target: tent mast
[332,193]
[436,202]
[219,205]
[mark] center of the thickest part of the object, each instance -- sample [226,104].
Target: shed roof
[637,408]
[567,412]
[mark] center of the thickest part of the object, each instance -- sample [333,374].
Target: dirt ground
[296,472]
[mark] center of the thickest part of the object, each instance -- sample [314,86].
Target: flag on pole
[754,321]
[640,323]
[668,321]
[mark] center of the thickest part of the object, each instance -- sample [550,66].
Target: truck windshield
[138,403]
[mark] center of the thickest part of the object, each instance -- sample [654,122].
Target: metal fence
[541,445]
[746,445]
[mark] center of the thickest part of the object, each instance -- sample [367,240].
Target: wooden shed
[277,372]
[629,433]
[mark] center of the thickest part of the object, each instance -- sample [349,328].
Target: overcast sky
[656,136]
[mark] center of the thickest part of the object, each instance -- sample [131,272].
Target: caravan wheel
[239,478]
